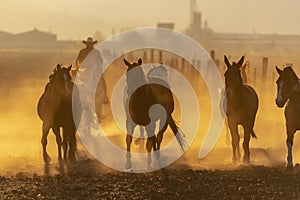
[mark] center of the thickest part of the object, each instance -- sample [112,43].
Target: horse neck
[237,88]
[54,94]
[235,93]
[295,98]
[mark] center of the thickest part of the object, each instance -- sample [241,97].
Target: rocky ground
[89,180]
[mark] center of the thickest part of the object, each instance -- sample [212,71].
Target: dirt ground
[88,179]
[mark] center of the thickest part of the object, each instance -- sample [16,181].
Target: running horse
[288,90]
[142,95]
[241,108]
[55,110]
[158,74]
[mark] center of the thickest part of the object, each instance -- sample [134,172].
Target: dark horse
[140,100]
[241,108]
[55,110]
[288,89]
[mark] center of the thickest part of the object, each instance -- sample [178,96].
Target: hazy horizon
[77,20]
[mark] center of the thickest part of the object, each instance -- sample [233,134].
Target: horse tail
[253,134]
[180,137]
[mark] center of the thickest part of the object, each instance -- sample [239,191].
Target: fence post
[183,64]
[152,55]
[160,60]
[264,68]
[145,57]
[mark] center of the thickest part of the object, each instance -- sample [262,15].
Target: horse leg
[142,136]
[227,132]
[246,158]
[130,128]
[71,142]
[65,145]
[162,128]
[45,129]
[235,138]
[151,143]
[58,141]
[289,144]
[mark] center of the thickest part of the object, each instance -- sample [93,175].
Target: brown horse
[241,108]
[288,89]
[55,110]
[142,95]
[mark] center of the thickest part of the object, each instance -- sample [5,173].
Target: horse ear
[126,62]
[140,61]
[69,68]
[279,71]
[226,61]
[241,61]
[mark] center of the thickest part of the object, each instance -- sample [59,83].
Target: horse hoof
[234,161]
[128,164]
[289,167]
[72,162]
[155,165]
[47,159]
[246,161]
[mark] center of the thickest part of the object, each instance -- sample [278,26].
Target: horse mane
[54,71]
[51,76]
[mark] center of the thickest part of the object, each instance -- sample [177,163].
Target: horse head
[60,82]
[133,65]
[135,76]
[287,85]
[233,79]
[159,71]
[232,75]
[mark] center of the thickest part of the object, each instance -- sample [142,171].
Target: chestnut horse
[55,110]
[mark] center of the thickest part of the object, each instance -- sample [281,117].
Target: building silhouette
[33,40]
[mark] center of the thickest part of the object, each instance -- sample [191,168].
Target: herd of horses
[144,91]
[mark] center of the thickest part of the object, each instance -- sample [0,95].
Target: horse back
[163,96]
[40,107]
[145,97]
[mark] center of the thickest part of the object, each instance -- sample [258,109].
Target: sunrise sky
[71,19]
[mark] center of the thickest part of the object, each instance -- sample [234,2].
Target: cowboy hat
[89,40]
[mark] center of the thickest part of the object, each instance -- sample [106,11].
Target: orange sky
[77,19]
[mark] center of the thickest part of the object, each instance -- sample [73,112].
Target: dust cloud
[22,83]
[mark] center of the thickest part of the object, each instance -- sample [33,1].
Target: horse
[222,103]
[156,73]
[141,99]
[288,90]
[55,110]
[241,108]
